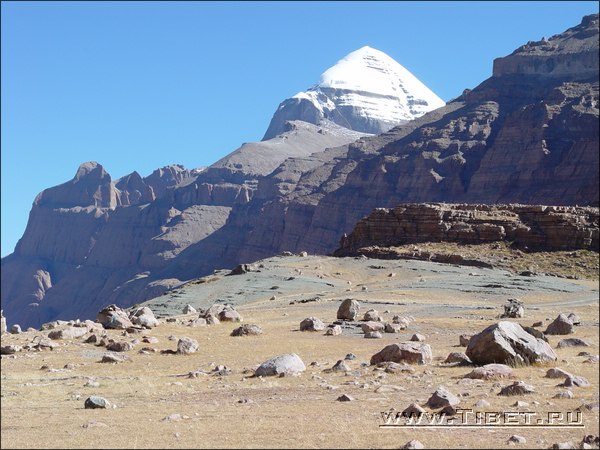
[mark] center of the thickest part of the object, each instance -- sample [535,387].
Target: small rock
[517,388]
[560,325]
[564,394]
[414,444]
[186,346]
[345,398]
[113,358]
[557,372]
[442,397]
[367,327]
[150,340]
[563,445]
[312,324]
[95,402]
[340,366]
[373,335]
[335,330]
[457,358]
[572,342]
[417,338]
[10,349]
[247,330]
[350,357]
[575,380]
[408,352]
[372,315]
[490,371]
[516,439]
[284,364]
[482,404]
[393,328]
[15,329]
[348,310]
[189,309]
[513,309]
[521,404]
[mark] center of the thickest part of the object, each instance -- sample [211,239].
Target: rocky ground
[159,398]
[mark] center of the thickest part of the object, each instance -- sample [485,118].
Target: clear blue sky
[139,85]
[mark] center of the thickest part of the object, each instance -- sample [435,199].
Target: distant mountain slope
[529,134]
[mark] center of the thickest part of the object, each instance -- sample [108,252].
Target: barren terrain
[155,404]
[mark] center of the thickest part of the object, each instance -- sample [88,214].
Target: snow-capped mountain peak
[365,91]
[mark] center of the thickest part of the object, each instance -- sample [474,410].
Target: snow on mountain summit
[365,91]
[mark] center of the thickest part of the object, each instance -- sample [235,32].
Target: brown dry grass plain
[44,408]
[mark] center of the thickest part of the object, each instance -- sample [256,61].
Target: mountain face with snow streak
[365,91]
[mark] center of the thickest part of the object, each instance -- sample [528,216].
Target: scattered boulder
[120,346]
[43,343]
[350,357]
[348,310]
[373,335]
[372,315]
[563,445]
[516,439]
[340,366]
[393,328]
[67,333]
[402,321]
[143,317]
[186,346]
[564,394]
[442,397]
[417,337]
[15,329]
[198,322]
[284,364]
[335,330]
[230,315]
[575,380]
[409,352]
[508,343]
[414,444]
[189,309]
[572,342]
[368,327]
[113,358]
[458,358]
[214,311]
[561,325]
[517,388]
[513,309]
[312,324]
[113,317]
[394,368]
[557,372]
[247,330]
[241,269]
[95,402]
[10,349]
[490,372]
[211,320]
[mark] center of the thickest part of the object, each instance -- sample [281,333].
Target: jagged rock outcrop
[528,226]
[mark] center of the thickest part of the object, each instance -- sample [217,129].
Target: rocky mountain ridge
[518,137]
[534,227]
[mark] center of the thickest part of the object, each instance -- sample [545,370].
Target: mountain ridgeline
[528,134]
